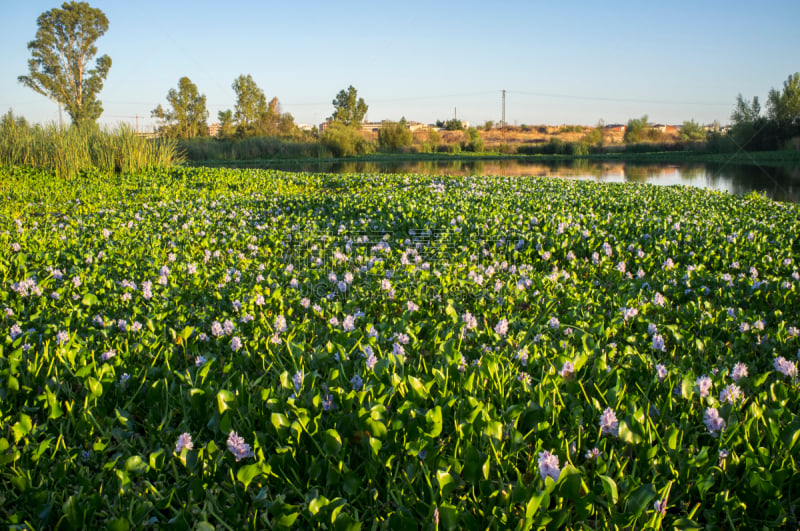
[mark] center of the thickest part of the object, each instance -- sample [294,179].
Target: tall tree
[59,67]
[250,103]
[188,116]
[784,106]
[227,127]
[349,108]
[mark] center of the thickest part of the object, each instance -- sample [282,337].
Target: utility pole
[60,118]
[503,121]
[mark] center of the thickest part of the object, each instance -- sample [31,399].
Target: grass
[396,352]
[68,151]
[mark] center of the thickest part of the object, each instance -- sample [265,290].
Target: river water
[777,183]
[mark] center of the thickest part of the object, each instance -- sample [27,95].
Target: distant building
[213,129]
[616,128]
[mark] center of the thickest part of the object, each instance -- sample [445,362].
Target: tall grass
[66,151]
[253,148]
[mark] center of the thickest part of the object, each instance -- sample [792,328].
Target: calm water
[778,183]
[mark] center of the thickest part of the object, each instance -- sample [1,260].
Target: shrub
[475,141]
[344,141]
[691,131]
[394,136]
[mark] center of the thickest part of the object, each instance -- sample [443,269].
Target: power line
[617,100]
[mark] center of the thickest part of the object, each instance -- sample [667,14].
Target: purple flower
[236,343]
[357,382]
[703,385]
[200,360]
[108,355]
[238,447]
[731,394]
[567,371]
[608,423]
[739,371]
[658,343]
[469,320]
[548,466]
[297,380]
[501,328]
[593,453]
[184,441]
[216,329]
[280,324]
[371,361]
[327,403]
[62,337]
[522,356]
[228,326]
[661,506]
[553,322]
[15,332]
[713,421]
[786,367]
[661,371]
[349,323]
[629,313]
[723,455]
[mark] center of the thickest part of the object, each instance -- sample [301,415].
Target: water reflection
[776,182]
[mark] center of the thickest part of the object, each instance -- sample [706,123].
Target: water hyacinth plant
[251,349]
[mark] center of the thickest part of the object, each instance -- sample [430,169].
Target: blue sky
[560,62]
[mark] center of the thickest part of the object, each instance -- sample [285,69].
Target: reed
[66,151]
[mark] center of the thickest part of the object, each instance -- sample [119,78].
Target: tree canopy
[250,103]
[59,68]
[188,116]
[752,130]
[349,108]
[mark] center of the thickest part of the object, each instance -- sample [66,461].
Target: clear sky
[560,62]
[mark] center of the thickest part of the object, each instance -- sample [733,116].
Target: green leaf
[569,482]
[434,420]
[248,473]
[123,417]
[790,434]
[418,387]
[537,500]
[315,505]
[446,483]
[95,387]
[22,427]
[156,459]
[640,498]
[186,332]
[89,299]
[225,399]
[135,464]
[610,489]
[120,524]
[333,441]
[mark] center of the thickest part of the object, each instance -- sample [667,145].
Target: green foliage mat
[395,352]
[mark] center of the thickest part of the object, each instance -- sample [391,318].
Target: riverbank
[771,158]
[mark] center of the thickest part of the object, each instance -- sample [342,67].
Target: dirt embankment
[535,135]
